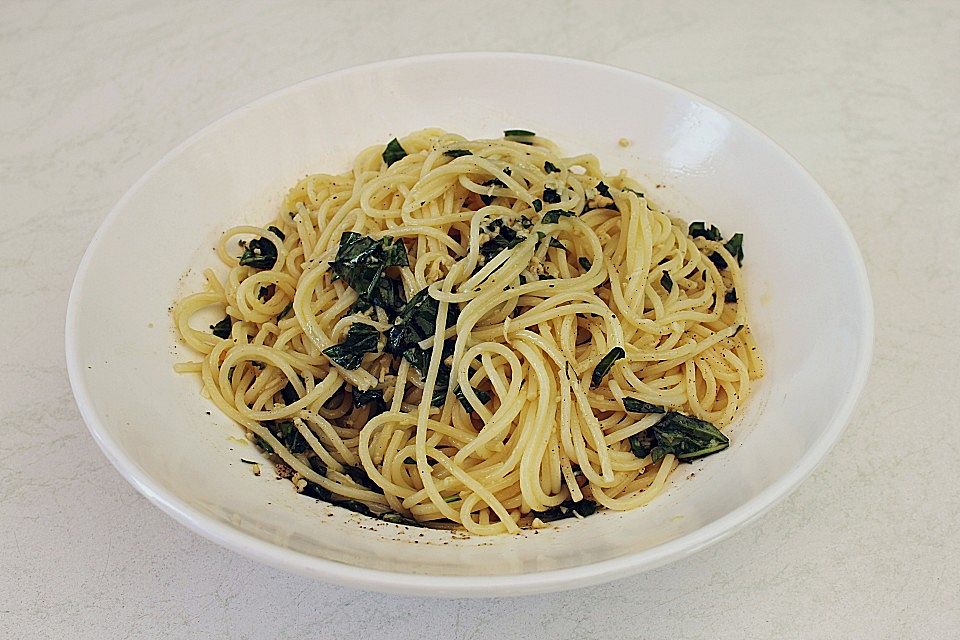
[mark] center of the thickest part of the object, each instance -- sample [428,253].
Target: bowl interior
[807,297]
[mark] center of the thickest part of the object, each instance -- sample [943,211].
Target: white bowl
[808,299]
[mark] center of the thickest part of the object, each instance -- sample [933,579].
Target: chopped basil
[553,217]
[416,322]
[537,205]
[549,167]
[289,394]
[526,222]
[245,461]
[686,437]
[735,246]
[261,253]
[360,339]
[567,509]
[718,260]
[505,238]
[483,396]
[222,329]
[316,492]
[419,359]
[639,406]
[396,518]
[409,460]
[731,296]
[393,152]
[603,189]
[457,153]
[551,196]
[362,263]
[737,330]
[700,230]
[263,444]
[363,398]
[359,475]
[605,364]
[556,244]
[585,263]
[288,435]
[666,282]
[638,193]
[519,135]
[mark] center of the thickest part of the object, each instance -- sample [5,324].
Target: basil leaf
[416,321]
[686,437]
[551,196]
[634,191]
[393,152]
[288,435]
[420,360]
[372,397]
[556,244]
[666,282]
[718,260]
[289,394]
[585,263]
[457,153]
[549,167]
[506,238]
[360,339]
[605,364]
[359,475]
[639,406]
[735,246]
[316,492]
[567,509]
[222,329]
[700,230]
[537,205]
[553,217]
[483,396]
[362,262]
[603,189]
[519,135]
[261,253]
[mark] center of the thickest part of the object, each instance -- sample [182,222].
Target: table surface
[866,95]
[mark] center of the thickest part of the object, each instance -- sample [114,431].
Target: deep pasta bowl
[808,300]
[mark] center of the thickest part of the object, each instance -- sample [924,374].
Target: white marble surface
[866,96]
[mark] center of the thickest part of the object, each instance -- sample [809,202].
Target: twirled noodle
[585,264]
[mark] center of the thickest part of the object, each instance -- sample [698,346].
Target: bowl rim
[471,585]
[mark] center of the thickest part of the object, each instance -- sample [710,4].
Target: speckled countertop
[866,95]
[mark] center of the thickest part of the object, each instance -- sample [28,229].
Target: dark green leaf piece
[686,437]
[605,365]
[567,509]
[288,435]
[222,329]
[360,339]
[639,406]
[483,396]
[538,205]
[556,244]
[362,263]
[603,189]
[393,152]
[700,230]
[553,217]
[518,133]
[549,167]
[585,263]
[551,196]
[457,153]
[666,282]
[261,253]
[735,246]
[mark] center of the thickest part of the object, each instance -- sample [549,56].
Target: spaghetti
[476,333]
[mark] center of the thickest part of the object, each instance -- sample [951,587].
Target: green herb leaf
[603,189]
[638,193]
[263,444]
[416,321]
[700,230]
[222,329]
[457,153]
[585,263]
[316,492]
[362,263]
[549,167]
[359,475]
[518,135]
[288,435]
[506,238]
[551,196]
[397,518]
[360,339]
[718,260]
[639,406]
[393,152]
[409,460]
[420,360]
[567,509]
[289,394]
[735,246]
[261,253]
[605,364]
[373,397]
[537,205]
[666,282]
[686,437]
[483,396]
[553,217]
[556,244]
